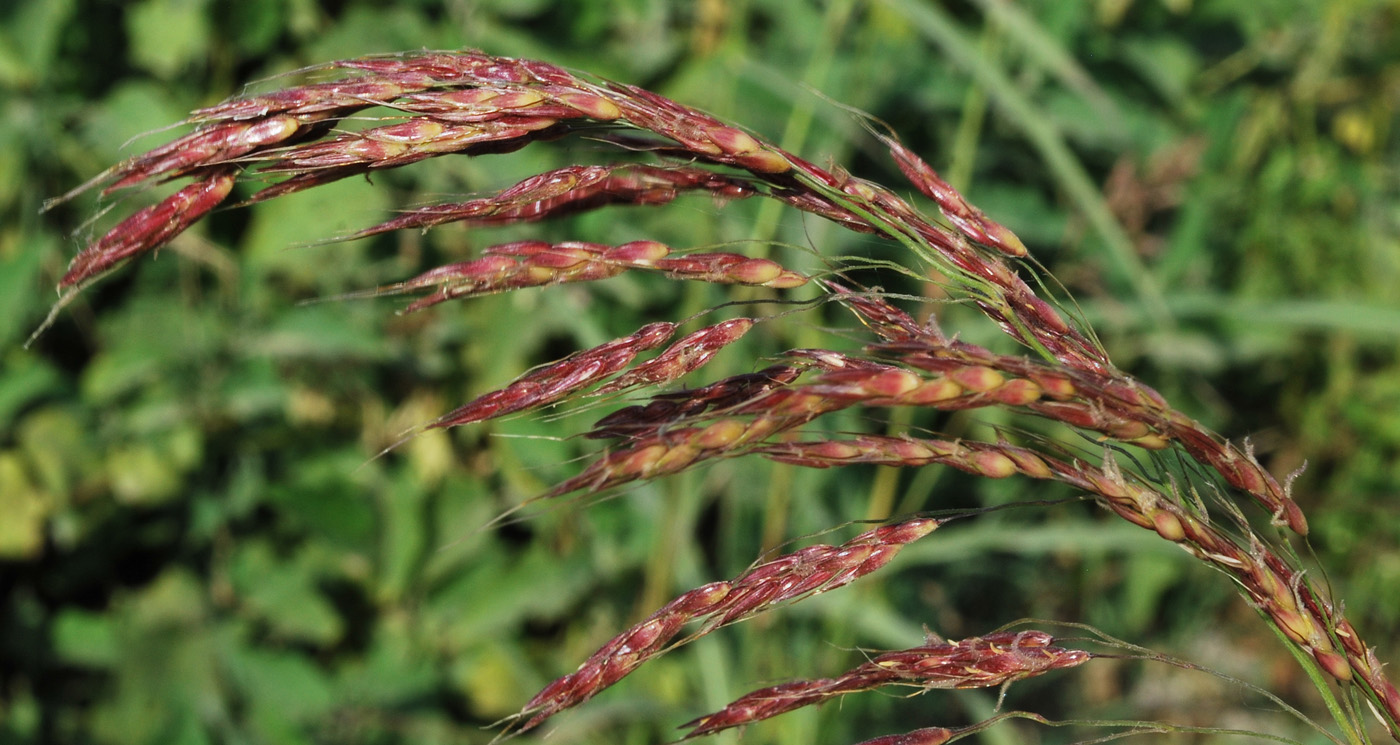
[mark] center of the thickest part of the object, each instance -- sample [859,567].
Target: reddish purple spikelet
[730,268]
[787,578]
[888,322]
[622,654]
[150,227]
[443,67]
[314,102]
[817,569]
[569,189]
[685,355]
[558,380]
[672,407]
[394,145]
[1107,402]
[210,144]
[967,218]
[521,264]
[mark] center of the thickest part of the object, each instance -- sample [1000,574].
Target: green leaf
[1148,579]
[24,378]
[142,475]
[283,594]
[498,592]
[168,37]
[22,718]
[402,535]
[25,511]
[20,278]
[322,497]
[369,28]
[118,126]
[281,228]
[86,638]
[59,449]
[395,669]
[328,332]
[1169,63]
[255,24]
[32,30]
[491,680]
[281,687]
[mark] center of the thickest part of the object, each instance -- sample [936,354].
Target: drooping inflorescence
[474,104]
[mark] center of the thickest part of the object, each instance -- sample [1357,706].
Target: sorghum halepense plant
[469,103]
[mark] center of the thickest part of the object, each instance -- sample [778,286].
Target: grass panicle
[431,104]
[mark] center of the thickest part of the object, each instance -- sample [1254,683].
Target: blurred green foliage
[197,545]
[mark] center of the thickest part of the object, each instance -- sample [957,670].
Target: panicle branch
[788,578]
[568,190]
[684,356]
[664,438]
[976,662]
[1109,402]
[559,380]
[971,221]
[512,266]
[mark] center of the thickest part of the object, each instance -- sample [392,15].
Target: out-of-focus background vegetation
[195,546]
